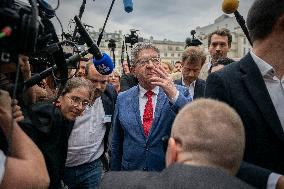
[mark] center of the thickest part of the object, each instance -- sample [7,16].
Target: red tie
[148,113]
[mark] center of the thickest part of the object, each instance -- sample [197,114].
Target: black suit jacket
[108,99]
[127,81]
[199,88]
[179,176]
[242,87]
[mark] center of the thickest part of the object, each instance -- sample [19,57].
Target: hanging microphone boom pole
[81,11]
[122,56]
[102,32]
[231,6]
[242,23]
[127,56]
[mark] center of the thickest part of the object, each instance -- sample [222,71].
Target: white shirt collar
[191,84]
[142,91]
[264,67]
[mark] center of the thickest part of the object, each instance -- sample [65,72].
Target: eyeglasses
[154,60]
[76,101]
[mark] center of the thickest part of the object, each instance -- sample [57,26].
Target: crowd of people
[153,124]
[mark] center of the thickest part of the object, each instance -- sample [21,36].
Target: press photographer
[128,79]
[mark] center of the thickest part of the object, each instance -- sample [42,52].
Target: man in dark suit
[193,59]
[254,87]
[144,114]
[198,156]
[219,44]
[88,142]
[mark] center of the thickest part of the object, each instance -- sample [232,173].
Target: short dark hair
[262,17]
[221,32]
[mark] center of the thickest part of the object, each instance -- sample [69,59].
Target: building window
[166,54]
[170,48]
[172,54]
[245,41]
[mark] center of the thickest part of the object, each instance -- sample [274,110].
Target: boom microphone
[102,62]
[230,6]
[128,6]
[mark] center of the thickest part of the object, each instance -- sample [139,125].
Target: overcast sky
[162,19]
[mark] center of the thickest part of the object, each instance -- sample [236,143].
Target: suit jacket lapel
[106,104]
[135,108]
[196,89]
[254,83]
[161,99]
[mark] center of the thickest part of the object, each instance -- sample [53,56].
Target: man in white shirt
[87,143]
[144,114]
[193,59]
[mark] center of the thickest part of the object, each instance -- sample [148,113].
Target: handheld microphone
[230,6]
[104,65]
[102,62]
[128,6]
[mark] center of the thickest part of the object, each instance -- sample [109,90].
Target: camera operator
[7,76]
[25,166]
[128,79]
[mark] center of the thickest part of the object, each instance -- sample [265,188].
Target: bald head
[209,133]
[99,80]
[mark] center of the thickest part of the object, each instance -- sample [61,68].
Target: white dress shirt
[275,87]
[143,99]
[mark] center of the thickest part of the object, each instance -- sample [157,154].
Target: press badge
[107,119]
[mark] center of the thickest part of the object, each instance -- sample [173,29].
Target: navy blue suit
[241,85]
[131,149]
[199,87]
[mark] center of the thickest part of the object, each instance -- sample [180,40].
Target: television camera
[193,41]
[132,38]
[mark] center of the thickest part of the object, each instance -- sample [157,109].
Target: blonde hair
[211,133]
[192,55]
[171,67]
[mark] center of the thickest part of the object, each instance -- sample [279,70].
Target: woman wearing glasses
[50,125]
